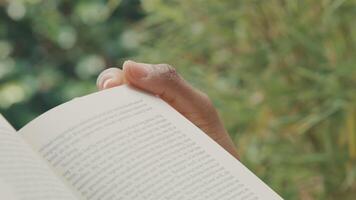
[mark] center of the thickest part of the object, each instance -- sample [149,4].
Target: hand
[164,81]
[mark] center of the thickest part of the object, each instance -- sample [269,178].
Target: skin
[164,81]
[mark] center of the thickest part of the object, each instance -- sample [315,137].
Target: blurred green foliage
[52,51]
[281,72]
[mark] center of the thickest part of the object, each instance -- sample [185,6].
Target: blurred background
[282,73]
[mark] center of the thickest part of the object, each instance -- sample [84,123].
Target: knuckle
[168,72]
[205,96]
[206,99]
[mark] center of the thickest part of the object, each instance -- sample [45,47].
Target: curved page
[23,174]
[125,144]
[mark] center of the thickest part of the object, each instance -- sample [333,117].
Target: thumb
[164,81]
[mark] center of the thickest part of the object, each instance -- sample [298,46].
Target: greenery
[281,72]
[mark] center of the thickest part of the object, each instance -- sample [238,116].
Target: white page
[5,125]
[6,192]
[23,174]
[125,144]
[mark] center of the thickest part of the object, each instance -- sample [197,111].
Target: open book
[116,144]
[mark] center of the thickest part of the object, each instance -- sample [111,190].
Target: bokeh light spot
[92,13]
[90,66]
[10,94]
[67,37]
[16,10]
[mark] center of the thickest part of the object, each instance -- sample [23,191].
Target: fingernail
[106,83]
[104,79]
[139,70]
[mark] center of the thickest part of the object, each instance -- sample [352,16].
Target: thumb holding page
[164,81]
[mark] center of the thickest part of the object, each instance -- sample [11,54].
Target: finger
[164,81]
[110,78]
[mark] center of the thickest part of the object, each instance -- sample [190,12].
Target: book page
[6,192]
[125,144]
[23,174]
[5,125]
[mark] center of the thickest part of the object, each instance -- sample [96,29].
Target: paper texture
[125,144]
[24,173]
